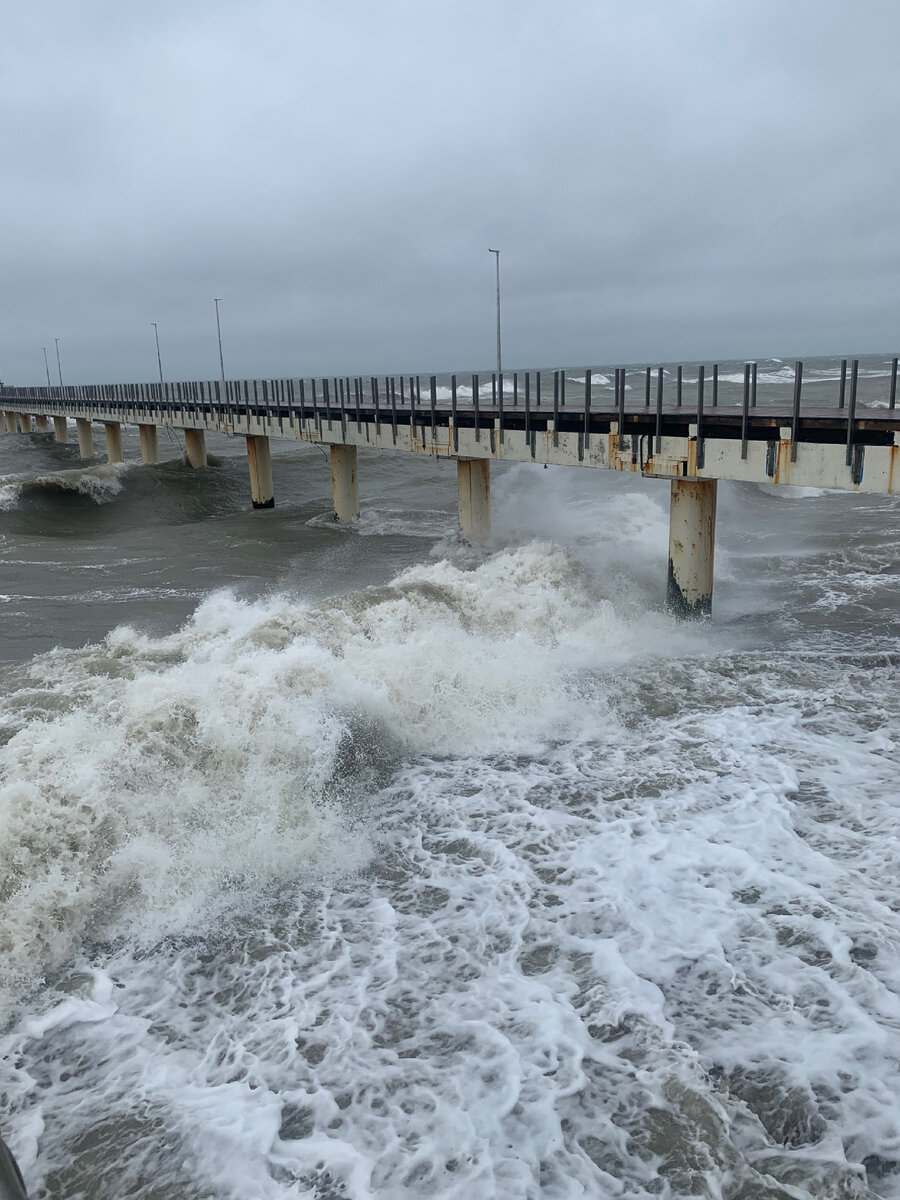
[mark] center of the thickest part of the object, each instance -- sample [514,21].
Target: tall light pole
[158,355]
[58,366]
[47,368]
[496,253]
[219,331]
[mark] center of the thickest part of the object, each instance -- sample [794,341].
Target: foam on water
[489,882]
[785,375]
[792,493]
[235,726]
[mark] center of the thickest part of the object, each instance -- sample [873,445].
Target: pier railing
[656,393]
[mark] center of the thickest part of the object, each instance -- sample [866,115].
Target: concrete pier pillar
[149,443]
[42,424]
[60,429]
[195,447]
[9,422]
[473,478]
[113,441]
[85,437]
[260,462]
[25,425]
[692,538]
[344,483]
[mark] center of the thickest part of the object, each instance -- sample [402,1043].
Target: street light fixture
[496,253]
[47,368]
[58,365]
[158,355]
[217,299]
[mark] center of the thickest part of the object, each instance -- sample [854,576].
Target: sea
[342,862]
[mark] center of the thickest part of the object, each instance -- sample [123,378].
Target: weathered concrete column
[9,421]
[85,437]
[260,462]
[25,425]
[344,483]
[195,447]
[692,539]
[60,429]
[149,443]
[473,478]
[113,441]
[42,424]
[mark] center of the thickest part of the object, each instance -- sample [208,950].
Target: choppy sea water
[355,863]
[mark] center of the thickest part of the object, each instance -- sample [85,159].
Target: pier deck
[693,443]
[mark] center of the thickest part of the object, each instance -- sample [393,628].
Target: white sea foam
[651,959]
[9,494]
[785,375]
[788,492]
[597,379]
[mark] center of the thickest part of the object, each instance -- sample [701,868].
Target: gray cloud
[664,180]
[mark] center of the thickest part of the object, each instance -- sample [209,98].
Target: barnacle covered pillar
[195,447]
[85,437]
[692,538]
[344,483]
[113,441]
[149,443]
[473,479]
[259,460]
[60,429]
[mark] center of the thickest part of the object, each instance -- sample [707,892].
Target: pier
[659,431]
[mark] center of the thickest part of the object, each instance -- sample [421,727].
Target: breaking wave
[100,484]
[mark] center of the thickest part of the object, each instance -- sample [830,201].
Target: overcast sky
[664,179]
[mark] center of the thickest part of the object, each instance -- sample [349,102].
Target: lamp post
[496,254]
[58,366]
[158,355]
[219,331]
[47,368]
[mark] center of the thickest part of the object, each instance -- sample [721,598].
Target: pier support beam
[113,441]
[9,422]
[60,429]
[195,447]
[85,437]
[42,424]
[25,424]
[692,538]
[149,443]
[473,478]
[260,462]
[344,483]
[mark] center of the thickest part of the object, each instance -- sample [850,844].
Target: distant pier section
[647,421]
